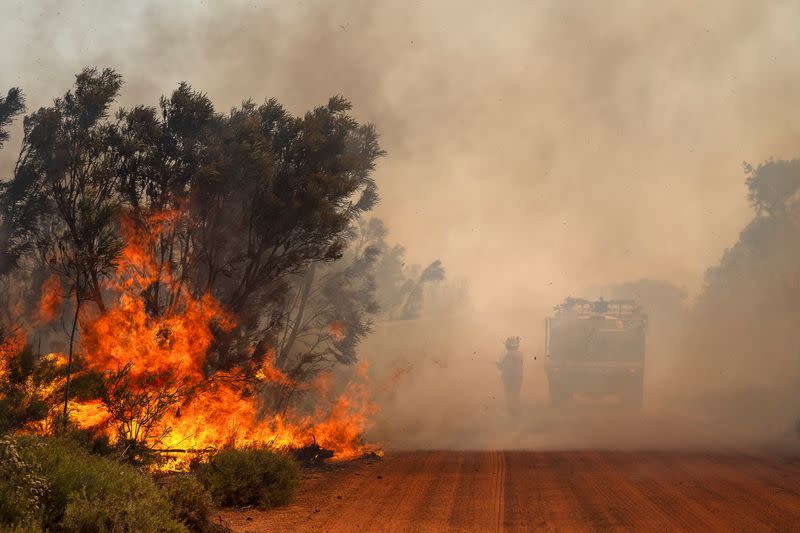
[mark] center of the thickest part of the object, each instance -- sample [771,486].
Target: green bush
[257,476]
[87,493]
[117,513]
[22,488]
[25,527]
[191,503]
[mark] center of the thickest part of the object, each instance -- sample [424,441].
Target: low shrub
[87,493]
[259,476]
[118,513]
[26,527]
[191,503]
[22,488]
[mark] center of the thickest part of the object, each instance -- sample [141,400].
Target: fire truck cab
[596,348]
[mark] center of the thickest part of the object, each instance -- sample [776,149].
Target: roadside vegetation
[55,484]
[259,476]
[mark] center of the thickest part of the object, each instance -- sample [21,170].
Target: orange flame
[168,349]
[337,330]
[88,414]
[51,301]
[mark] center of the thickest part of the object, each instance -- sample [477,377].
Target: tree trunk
[98,295]
[308,282]
[69,360]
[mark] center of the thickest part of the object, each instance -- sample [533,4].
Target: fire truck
[596,348]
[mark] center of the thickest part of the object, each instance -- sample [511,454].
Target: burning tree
[178,234]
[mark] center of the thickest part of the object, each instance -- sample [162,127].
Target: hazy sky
[536,147]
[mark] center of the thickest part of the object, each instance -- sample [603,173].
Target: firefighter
[511,371]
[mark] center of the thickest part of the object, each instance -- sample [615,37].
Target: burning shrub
[257,476]
[91,493]
[23,385]
[137,409]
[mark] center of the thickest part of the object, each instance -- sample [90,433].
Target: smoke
[536,148]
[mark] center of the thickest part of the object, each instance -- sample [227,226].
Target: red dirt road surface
[543,491]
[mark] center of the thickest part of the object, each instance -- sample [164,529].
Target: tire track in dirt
[478,502]
[744,500]
[631,507]
[543,491]
[595,497]
[399,491]
[656,489]
[538,495]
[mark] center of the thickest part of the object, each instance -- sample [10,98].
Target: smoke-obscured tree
[331,310]
[743,331]
[392,278]
[772,187]
[400,287]
[369,232]
[11,105]
[412,308]
[448,297]
[763,266]
[12,246]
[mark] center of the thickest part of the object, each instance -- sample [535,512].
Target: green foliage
[191,503]
[117,512]
[61,198]
[22,488]
[251,476]
[87,493]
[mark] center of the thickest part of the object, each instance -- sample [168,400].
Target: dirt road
[543,491]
